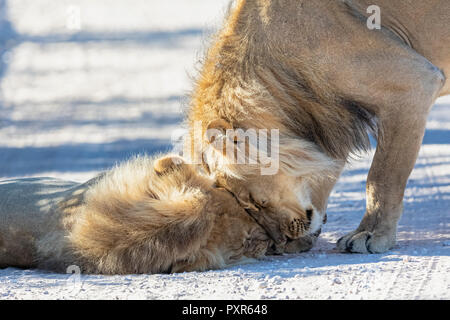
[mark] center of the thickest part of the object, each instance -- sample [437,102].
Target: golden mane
[247,81]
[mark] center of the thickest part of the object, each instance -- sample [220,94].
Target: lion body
[29,216]
[131,219]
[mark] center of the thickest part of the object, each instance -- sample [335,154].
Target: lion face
[236,229]
[279,203]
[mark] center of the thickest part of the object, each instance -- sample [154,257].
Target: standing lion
[317,73]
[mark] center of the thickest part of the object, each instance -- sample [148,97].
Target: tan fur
[313,70]
[144,216]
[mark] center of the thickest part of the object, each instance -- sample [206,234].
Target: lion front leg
[401,133]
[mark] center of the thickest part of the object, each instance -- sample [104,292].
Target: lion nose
[309,214]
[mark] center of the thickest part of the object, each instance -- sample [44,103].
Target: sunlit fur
[314,71]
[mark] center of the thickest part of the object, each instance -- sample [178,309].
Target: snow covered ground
[84,84]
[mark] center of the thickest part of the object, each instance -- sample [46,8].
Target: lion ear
[217,129]
[164,164]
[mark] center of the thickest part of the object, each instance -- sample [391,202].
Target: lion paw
[365,242]
[302,244]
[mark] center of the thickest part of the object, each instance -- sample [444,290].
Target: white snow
[73,102]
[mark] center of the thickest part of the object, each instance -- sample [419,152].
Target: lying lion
[145,216]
